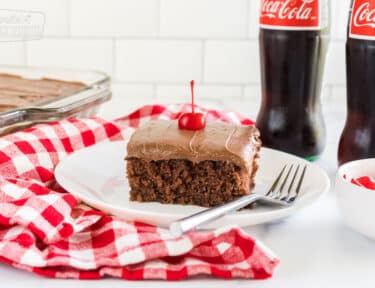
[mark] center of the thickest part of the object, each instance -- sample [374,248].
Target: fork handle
[179,227]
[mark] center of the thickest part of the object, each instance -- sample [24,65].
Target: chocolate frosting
[163,140]
[16,92]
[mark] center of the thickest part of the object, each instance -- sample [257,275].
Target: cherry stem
[192,95]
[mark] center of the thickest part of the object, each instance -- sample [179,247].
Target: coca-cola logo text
[363,19]
[292,13]
[287,10]
[364,16]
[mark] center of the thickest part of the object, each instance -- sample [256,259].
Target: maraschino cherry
[192,121]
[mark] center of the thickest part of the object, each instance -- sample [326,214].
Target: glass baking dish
[84,102]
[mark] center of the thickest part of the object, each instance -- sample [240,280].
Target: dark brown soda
[358,138]
[290,117]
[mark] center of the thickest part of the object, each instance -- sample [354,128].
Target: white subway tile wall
[152,48]
[231,62]
[12,53]
[178,93]
[72,53]
[335,66]
[203,18]
[114,18]
[133,95]
[161,61]
[55,12]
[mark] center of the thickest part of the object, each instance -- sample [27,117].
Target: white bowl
[357,204]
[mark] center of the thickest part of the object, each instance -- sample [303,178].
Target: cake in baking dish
[18,92]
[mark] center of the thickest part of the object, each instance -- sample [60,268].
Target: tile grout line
[154,87]
[243,87]
[25,54]
[68,18]
[158,18]
[114,57]
[220,84]
[247,17]
[330,93]
[203,57]
[153,38]
[167,38]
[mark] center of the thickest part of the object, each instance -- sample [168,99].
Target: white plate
[96,175]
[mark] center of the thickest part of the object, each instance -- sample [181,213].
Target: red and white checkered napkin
[47,231]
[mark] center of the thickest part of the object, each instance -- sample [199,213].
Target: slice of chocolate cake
[206,167]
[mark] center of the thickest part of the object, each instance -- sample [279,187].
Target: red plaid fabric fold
[47,231]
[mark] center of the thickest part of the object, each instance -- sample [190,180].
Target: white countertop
[316,249]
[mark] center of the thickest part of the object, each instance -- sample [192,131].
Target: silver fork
[276,195]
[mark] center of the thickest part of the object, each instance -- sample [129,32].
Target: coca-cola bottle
[293,42]
[358,138]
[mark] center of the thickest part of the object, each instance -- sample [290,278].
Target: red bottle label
[362,22]
[291,14]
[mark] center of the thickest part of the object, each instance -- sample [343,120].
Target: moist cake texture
[207,167]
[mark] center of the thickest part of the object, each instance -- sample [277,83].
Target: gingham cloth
[47,231]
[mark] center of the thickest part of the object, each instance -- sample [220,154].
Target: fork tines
[291,177]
